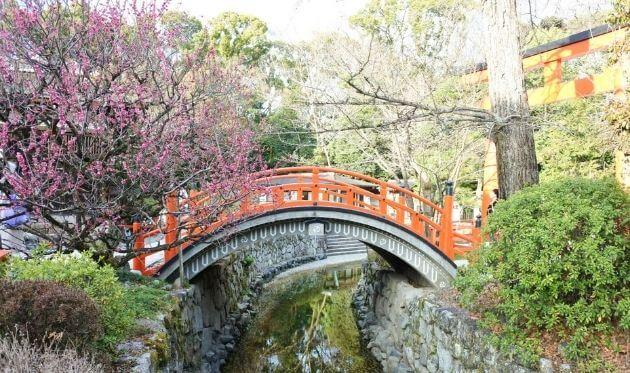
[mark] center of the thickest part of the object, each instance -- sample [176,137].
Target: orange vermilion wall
[299,187]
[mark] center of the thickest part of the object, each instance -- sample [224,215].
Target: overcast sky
[296,20]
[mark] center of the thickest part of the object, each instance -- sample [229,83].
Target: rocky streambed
[305,323]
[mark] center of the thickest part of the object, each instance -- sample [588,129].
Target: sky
[288,20]
[298,20]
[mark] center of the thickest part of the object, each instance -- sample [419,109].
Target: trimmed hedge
[48,312]
[558,262]
[100,283]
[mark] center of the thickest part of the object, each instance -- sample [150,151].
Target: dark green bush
[558,261]
[82,272]
[48,312]
[248,261]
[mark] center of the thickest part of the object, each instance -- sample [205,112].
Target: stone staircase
[341,245]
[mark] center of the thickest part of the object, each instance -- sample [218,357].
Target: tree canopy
[102,119]
[239,36]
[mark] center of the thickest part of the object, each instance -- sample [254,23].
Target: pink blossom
[108,124]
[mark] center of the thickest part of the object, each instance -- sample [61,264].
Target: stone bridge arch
[394,242]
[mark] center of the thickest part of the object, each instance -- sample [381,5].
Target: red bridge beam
[551,57]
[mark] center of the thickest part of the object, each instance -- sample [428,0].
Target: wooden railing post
[446,229]
[245,204]
[277,196]
[172,207]
[138,244]
[351,197]
[315,180]
[382,205]
[476,232]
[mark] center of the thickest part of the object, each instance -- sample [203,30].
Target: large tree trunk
[512,135]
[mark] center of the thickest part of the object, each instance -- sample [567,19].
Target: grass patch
[146,297]
[147,302]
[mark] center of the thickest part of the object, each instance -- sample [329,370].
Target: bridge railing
[303,187]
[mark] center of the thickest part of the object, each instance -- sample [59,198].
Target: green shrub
[147,302]
[558,261]
[99,282]
[3,269]
[48,312]
[146,297]
[248,261]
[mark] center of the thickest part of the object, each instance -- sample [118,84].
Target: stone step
[345,244]
[342,245]
[338,237]
[346,240]
[346,252]
[330,238]
[346,248]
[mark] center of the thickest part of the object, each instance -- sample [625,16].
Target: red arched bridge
[319,200]
[314,201]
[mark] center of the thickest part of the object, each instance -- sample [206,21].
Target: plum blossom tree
[102,117]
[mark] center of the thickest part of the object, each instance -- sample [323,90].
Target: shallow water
[305,324]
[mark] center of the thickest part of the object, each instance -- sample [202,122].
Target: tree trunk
[512,134]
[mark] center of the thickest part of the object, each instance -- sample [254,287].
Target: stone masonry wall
[207,321]
[408,331]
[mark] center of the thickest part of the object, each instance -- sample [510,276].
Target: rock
[445,360]
[432,363]
[458,367]
[565,368]
[395,353]
[457,349]
[369,317]
[423,354]
[408,354]
[243,306]
[206,339]
[392,363]
[142,364]
[130,347]
[545,366]
[226,338]
[376,351]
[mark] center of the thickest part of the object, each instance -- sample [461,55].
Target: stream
[305,323]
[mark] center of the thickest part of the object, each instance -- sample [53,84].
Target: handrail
[399,189]
[285,171]
[377,197]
